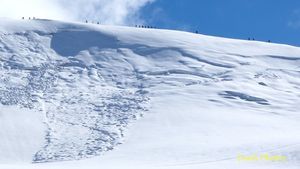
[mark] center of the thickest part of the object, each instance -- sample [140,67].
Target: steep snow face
[204,98]
[88,94]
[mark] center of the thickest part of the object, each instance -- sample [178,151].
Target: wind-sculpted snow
[91,82]
[87,107]
[70,43]
[99,112]
[234,95]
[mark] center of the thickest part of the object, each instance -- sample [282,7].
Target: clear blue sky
[275,20]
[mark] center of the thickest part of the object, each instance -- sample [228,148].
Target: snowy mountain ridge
[70,91]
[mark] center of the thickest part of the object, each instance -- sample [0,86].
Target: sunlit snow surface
[191,100]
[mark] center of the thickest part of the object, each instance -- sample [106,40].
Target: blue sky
[275,20]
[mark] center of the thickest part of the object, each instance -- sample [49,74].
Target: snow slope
[121,97]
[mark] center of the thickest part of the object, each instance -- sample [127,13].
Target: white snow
[94,96]
[21,134]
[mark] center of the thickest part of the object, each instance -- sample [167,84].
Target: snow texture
[201,100]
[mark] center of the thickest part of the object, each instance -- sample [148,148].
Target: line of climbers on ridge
[254,40]
[137,26]
[142,26]
[30,18]
[86,21]
[196,32]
